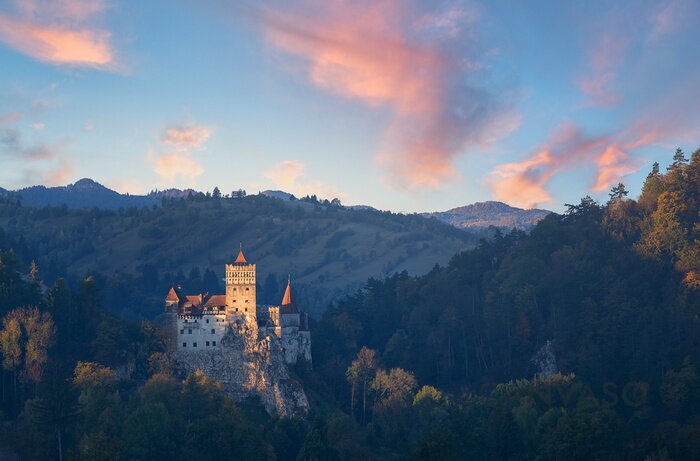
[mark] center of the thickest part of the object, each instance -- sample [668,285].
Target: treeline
[202,232]
[592,321]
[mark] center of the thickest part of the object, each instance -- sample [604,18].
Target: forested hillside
[329,251]
[607,295]
[482,215]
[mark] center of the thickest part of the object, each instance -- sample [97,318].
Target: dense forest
[137,254]
[578,341]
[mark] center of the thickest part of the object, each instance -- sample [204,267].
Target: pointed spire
[241,259]
[288,305]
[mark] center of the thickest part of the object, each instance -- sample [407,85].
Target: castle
[203,320]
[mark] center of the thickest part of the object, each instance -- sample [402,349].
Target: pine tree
[679,160]
[618,192]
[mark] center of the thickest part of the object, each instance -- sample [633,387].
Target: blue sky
[408,106]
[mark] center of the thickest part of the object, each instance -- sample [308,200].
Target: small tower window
[207,343]
[194,344]
[207,320]
[213,343]
[212,331]
[184,344]
[189,331]
[182,332]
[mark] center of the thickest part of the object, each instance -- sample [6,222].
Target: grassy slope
[328,251]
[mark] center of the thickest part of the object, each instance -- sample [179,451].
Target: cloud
[290,176]
[10,118]
[58,32]
[174,166]
[180,165]
[423,66]
[603,64]
[186,137]
[613,164]
[12,143]
[670,16]
[60,174]
[57,174]
[525,183]
[285,174]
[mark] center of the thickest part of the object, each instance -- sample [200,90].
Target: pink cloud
[186,137]
[671,16]
[176,166]
[10,118]
[180,165]
[59,174]
[613,165]
[290,176]
[58,32]
[603,63]
[389,54]
[525,183]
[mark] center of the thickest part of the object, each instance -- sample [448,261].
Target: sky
[403,105]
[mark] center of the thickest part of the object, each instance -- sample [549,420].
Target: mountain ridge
[481,215]
[88,193]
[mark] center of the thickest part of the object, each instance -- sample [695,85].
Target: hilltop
[329,250]
[482,215]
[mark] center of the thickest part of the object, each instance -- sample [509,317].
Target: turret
[240,289]
[288,305]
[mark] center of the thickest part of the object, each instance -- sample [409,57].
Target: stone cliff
[247,366]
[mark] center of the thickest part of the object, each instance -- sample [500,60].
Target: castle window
[236,309]
[213,343]
[247,289]
[182,332]
[212,331]
[207,320]
[194,344]
[184,344]
[207,343]
[189,331]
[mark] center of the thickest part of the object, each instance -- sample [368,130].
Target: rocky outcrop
[247,366]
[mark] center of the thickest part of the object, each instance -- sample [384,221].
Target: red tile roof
[288,306]
[172,296]
[215,301]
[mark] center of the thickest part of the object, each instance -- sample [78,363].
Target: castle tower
[240,289]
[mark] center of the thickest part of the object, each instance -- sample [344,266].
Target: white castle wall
[199,333]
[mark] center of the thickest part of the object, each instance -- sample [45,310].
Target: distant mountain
[481,215]
[88,193]
[85,193]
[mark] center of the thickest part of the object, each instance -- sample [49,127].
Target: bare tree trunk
[352,400]
[364,400]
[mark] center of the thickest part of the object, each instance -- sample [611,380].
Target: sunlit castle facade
[202,320]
